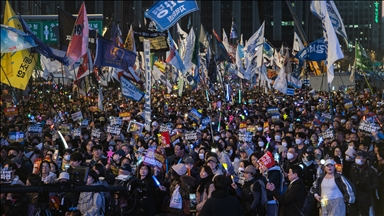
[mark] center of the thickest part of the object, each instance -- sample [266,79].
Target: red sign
[165,139]
[267,160]
[11,111]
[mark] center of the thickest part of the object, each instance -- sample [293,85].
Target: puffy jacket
[344,185]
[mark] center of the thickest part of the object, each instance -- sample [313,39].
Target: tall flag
[80,34]
[332,45]
[221,53]
[17,66]
[254,43]
[239,58]
[129,90]
[166,13]
[100,99]
[116,35]
[182,40]
[233,33]
[203,37]
[189,50]
[225,40]
[13,40]
[44,49]
[129,43]
[66,23]
[315,51]
[334,15]
[174,57]
[108,54]
[281,82]
[297,44]
[362,60]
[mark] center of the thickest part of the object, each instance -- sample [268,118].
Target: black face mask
[309,157]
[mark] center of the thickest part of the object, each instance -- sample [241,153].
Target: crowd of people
[203,153]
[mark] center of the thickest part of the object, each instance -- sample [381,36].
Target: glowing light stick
[156,181]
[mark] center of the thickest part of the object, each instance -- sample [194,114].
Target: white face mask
[298,141]
[284,144]
[289,156]
[358,162]
[342,121]
[216,138]
[300,109]
[259,128]
[67,157]
[261,144]
[201,156]
[277,137]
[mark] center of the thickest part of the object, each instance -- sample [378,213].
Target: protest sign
[245,137]
[116,121]
[113,130]
[154,158]
[16,137]
[326,116]
[328,134]
[251,129]
[10,111]
[243,125]
[368,127]
[275,118]
[273,110]
[165,127]
[77,133]
[176,138]
[135,127]
[95,133]
[195,115]
[190,136]
[65,129]
[267,160]
[77,116]
[125,116]
[35,128]
[165,139]
[85,123]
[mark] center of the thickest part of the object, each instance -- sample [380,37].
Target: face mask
[85,137]
[277,137]
[318,156]
[259,128]
[298,141]
[284,144]
[289,156]
[241,169]
[309,158]
[67,157]
[201,156]
[350,147]
[261,144]
[358,162]
[300,109]
[342,121]
[216,138]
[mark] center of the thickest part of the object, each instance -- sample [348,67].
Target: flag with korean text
[79,44]
[174,57]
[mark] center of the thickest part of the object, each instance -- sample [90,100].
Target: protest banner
[195,115]
[116,121]
[154,158]
[190,136]
[245,137]
[176,138]
[65,129]
[267,160]
[35,128]
[273,110]
[328,134]
[77,133]
[96,133]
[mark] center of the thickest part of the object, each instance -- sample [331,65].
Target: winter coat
[366,182]
[221,203]
[292,200]
[91,203]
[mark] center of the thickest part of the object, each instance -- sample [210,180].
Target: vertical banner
[148,84]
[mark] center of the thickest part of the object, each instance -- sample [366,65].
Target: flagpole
[9,82]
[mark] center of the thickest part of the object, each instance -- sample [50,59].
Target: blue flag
[166,13]
[44,49]
[13,40]
[108,54]
[315,51]
[129,90]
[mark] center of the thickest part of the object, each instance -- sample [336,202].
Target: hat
[97,147]
[242,149]
[329,161]
[126,167]
[120,152]
[63,175]
[250,169]
[212,159]
[16,160]
[363,154]
[282,148]
[180,169]
[189,160]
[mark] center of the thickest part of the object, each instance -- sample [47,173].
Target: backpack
[309,202]
[264,198]
[103,205]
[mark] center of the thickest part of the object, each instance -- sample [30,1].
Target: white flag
[100,99]
[187,61]
[225,41]
[333,49]
[255,41]
[183,40]
[281,82]
[297,44]
[239,58]
[159,76]
[334,15]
